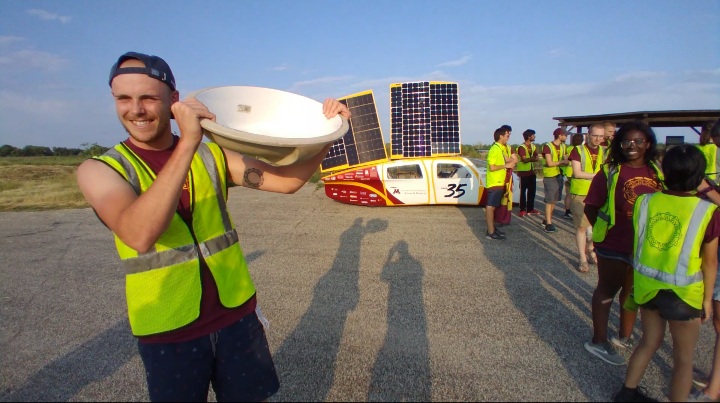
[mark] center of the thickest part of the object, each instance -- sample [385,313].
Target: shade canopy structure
[693,119]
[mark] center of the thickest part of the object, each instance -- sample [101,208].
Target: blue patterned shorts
[236,360]
[716,291]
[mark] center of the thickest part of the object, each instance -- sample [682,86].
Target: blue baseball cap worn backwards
[155,67]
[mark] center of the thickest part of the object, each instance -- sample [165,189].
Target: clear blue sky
[516,62]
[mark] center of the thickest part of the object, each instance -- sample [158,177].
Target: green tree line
[87,150]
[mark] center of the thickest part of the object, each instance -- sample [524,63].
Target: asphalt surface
[399,304]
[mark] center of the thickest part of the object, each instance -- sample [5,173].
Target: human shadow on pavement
[305,361]
[93,361]
[402,367]
[533,278]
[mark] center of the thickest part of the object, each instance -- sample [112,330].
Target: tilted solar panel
[363,143]
[425,119]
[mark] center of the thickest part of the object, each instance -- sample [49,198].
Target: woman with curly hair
[631,170]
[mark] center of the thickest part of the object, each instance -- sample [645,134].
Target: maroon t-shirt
[632,182]
[552,149]
[213,316]
[575,155]
[522,154]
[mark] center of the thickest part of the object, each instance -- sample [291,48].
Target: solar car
[424,166]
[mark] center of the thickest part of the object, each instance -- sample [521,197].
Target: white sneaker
[623,342]
[606,352]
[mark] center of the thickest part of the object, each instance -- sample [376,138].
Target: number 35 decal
[456,190]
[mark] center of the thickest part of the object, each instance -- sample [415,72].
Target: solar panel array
[363,143]
[425,119]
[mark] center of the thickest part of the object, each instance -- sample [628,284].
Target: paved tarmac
[379,304]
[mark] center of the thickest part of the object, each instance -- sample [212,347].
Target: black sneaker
[632,395]
[501,233]
[544,223]
[495,235]
[568,215]
[550,228]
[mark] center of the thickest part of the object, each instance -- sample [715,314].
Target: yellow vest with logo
[163,286]
[496,178]
[710,152]
[606,214]
[669,231]
[555,155]
[525,166]
[581,186]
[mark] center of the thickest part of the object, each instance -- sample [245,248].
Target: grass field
[39,183]
[45,183]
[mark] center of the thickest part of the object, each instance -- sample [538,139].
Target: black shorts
[672,307]
[494,197]
[235,359]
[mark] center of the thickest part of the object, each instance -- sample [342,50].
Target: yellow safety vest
[581,186]
[669,231]
[496,178]
[606,214]
[555,156]
[163,286]
[525,166]
[568,170]
[710,152]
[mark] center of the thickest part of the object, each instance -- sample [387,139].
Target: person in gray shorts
[553,188]
[553,179]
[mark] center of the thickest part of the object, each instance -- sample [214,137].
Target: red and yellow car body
[413,181]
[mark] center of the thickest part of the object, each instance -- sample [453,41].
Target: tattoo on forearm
[253,178]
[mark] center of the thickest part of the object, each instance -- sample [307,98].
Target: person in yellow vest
[503,213]
[576,140]
[630,171]
[711,386]
[610,128]
[675,260]
[191,301]
[499,160]
[585,160]
[710,147]
[527,155]
[554,155]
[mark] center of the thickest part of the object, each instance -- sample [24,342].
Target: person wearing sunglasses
[631,170]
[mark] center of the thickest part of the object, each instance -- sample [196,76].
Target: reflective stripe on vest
[680,277]
[157,260]
[163,285]
[567,170]
[154,260]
